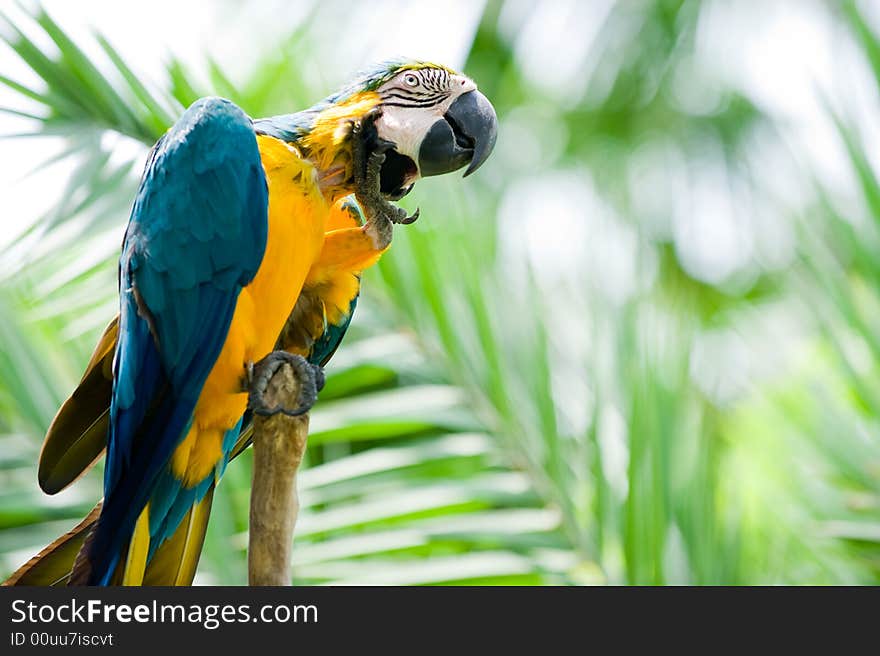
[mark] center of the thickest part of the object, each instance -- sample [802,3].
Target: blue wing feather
[196,236]
[325,346]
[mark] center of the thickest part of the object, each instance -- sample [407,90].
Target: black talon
[309,376]
[410,219]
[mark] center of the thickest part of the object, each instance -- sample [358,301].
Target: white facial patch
[407,126]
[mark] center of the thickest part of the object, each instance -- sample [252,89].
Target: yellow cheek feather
[297,220]
[333,125]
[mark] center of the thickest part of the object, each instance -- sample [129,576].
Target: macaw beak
[465,134]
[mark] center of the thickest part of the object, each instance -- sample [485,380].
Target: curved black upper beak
[465,134]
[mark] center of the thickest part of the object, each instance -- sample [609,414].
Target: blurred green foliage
[542,385]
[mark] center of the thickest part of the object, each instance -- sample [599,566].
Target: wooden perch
[279,445]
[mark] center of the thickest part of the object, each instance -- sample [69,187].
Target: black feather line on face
[424,95]
[396,100]
[438,80]
[417,105]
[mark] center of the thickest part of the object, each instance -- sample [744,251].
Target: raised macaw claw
[368,154]
[309,376]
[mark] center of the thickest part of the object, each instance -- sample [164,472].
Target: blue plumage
[196,236]
[326,345]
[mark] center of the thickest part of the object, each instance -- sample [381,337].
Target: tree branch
[279,445]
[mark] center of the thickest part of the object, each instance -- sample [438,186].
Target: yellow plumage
[138,548]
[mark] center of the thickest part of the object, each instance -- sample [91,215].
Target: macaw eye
[410,80]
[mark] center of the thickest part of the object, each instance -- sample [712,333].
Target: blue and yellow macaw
[245,237]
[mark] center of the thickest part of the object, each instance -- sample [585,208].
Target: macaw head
[436,118]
